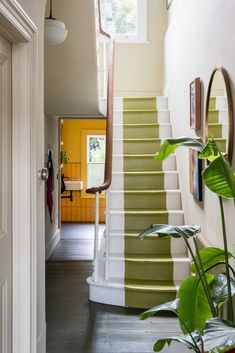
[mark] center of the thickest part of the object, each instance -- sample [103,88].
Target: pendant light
[55,31]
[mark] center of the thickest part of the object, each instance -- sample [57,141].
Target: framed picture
[195,171]
[168,3]
[195,104]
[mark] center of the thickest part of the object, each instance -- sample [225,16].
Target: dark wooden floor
[76,243]
[75,325]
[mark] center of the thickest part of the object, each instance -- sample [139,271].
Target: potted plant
[203,293]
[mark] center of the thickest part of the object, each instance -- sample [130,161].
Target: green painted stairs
[144,192]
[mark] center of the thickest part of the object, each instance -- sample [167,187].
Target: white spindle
[96,239]
[107,236]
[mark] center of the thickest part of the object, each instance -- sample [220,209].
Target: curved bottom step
[141,294]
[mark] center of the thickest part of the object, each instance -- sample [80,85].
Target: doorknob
[43,174]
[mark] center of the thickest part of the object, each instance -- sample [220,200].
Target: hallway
[76,325]
[76,243]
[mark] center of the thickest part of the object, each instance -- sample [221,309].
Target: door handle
[43,174]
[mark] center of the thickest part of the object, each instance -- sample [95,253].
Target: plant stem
[230,303]
[187,330]
[210,302]
[204,275]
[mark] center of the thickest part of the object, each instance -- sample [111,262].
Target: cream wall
[200,35]
[139,67]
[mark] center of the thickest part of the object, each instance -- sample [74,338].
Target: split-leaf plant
[202,294]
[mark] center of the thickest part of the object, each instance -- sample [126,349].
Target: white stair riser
[163,117]
[161,103]
[117,268]
[106,294]
[221,103]
[223,117]
[117,220]
[164,132]
[136,147]
[117,245]
[170,180]
[168,165]
[173,200]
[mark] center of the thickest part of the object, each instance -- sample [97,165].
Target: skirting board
[52,243]
[41,341]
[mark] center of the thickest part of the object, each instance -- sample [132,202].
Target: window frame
[142,23]
[87,156]
[84,171]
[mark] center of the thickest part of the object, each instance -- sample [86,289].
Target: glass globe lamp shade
[55,31]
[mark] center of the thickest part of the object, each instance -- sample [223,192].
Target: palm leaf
[170,145]
[219,178]
[210,151]
[190,341]
[172,306]
[219,335]
[194,308]
[165,230]
[219,290]
[210,256]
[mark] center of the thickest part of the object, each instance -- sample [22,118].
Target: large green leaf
[172,306]
[219,290]
[210,151]
[210,256]
[190,341]
[219,335]
[219,178]
[165,230]
[170,145]
[194,308]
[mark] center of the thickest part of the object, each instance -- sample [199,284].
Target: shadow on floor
[76,325]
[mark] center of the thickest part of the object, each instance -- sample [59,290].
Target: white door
[5,199]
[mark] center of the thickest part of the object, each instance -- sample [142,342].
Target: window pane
[121,17]
[95,174]
[96,148]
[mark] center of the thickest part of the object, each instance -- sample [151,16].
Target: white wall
[200,35]
[139,67]
[52,231]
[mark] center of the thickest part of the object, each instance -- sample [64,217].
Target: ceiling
[71,85]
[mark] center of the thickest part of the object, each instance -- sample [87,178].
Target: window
[126,19]
[95,160]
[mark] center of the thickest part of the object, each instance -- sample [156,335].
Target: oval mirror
[219,111]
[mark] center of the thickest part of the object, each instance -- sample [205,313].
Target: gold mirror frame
[230,108]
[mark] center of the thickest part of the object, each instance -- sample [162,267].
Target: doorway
[81,157]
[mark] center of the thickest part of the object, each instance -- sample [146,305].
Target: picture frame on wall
[195,177]
[168,3]
[195,103]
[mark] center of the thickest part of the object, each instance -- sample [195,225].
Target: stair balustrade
[108,59]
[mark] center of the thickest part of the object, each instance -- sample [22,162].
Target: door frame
[20,31]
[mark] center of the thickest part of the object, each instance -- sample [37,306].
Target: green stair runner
[149,266]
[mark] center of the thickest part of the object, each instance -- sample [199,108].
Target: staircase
[141,273]
[218,121]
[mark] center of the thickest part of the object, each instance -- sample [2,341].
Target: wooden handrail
[109,123]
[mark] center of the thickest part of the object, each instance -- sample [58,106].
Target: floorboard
[75,325]
[76,243]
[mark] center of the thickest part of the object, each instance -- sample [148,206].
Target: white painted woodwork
[17,28]
[5,198]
